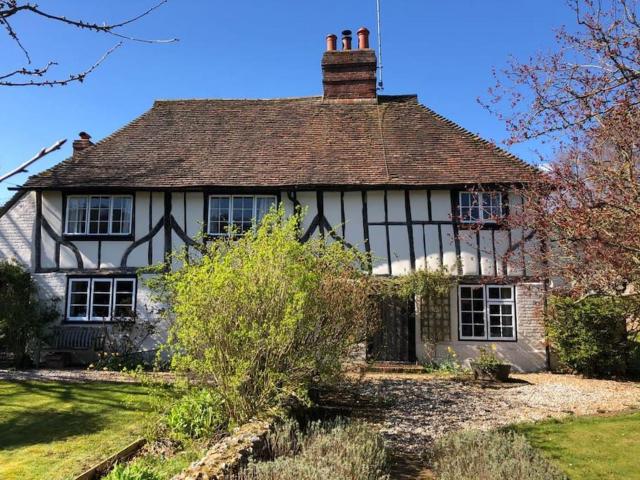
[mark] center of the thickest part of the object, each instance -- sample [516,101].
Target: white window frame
[88,212]
[91,281]
[91,299]
[230,214]
[481,212]
[487,302]
[69,292]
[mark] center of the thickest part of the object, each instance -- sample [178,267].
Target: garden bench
[65,341]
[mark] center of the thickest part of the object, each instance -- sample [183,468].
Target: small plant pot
[498,372]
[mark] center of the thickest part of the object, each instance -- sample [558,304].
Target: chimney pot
[363,38]
[331,42]
[84,142]
[346,40]
[349,75]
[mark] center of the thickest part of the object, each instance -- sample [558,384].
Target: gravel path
[420,408]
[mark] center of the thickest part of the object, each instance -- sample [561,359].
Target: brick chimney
[349,74]
[83,142]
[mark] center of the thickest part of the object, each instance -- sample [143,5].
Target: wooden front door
[394,338]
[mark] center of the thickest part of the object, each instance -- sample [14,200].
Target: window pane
[101,299]
[77,215]
[467,330]
[219,215]
[465,317]
[506,309]
[242,211]
[124,298]
[495,331]
[99,215]
[494,309]
[478,292]
[494,292]
[491,206]
[263,204]
[478,305]
[507,332]
[121,215]
[76,311]
[78,299]
[465,292]
[506,292]
[478,330]
[466,305]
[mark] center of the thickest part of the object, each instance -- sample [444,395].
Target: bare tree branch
[74,77]
[42,153]
[9,8]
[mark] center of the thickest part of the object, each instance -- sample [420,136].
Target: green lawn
[590,448]
[57,430]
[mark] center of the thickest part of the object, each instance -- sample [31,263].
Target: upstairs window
[487,312]
[99,215]
[484,207]
[101,299]
[237,213]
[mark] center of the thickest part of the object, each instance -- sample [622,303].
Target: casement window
[101,299]
[236,213]
[487,312]
[484,207]
[99,215]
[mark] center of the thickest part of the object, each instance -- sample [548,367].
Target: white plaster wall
[333,211]
[17,231]
[375,206]
[354,231]
[441,205]
[309,203]
[419,205]
[378,241]
[52,212]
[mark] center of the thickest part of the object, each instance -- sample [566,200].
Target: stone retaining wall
[230,454]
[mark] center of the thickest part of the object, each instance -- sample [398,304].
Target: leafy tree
[590,335]
[264,316]
[23,316]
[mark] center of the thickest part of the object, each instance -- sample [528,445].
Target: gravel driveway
[420,408]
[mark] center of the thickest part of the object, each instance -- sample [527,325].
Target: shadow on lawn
[31,427]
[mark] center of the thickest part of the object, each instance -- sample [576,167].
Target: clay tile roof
[303,142]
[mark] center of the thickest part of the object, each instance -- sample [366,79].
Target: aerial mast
[380,81]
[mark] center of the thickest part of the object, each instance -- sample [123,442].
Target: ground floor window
[487,312]
[101,298]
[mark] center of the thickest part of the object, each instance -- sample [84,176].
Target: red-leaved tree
[586,96]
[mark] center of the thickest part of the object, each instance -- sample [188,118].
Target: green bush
[474,455]
[326,451]
[590,335]
[132,471]
[197,414]
[23,316]
[264,316]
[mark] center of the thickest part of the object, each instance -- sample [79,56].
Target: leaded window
[101,299]
[99,215]
[237,213]
[487,312]
[484,207]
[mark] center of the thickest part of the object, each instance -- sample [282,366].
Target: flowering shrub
[264,316]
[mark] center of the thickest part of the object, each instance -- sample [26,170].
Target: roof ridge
[478,138]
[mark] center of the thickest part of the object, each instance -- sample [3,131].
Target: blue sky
[442,50]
